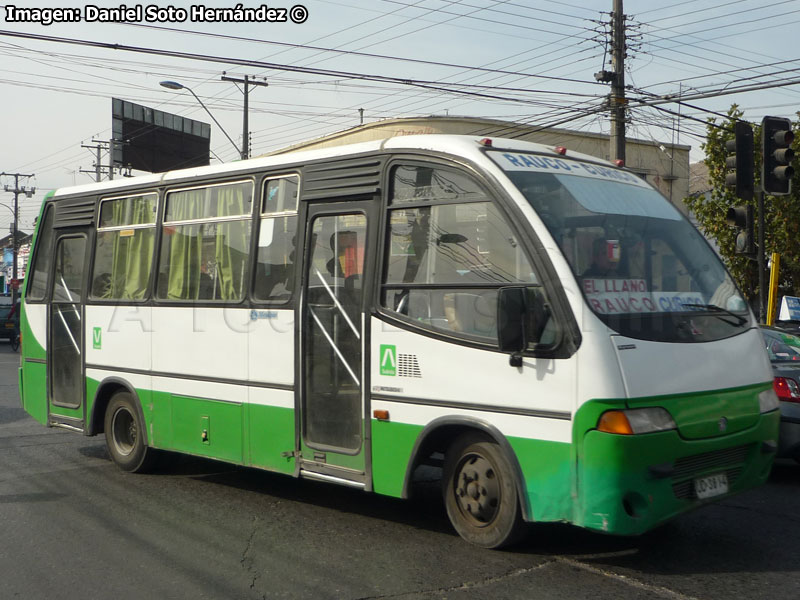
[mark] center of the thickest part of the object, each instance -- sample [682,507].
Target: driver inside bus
[606,256]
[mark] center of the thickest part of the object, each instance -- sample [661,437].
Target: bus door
[66,382]
[337,273]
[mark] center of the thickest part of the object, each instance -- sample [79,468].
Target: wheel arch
[440,433]
[105,391]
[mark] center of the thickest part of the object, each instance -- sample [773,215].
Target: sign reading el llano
[609,296]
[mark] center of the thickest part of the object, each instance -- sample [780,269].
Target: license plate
[9,326]
[713,485]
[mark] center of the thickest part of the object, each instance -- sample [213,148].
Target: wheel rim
[124,433]
[477,489]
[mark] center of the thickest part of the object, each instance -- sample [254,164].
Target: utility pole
[99,169]
[246,82]
[16,190]
[617,97]
[110,160]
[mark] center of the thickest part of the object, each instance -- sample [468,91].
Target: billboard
[152,140]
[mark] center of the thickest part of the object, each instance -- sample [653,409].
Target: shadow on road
[710,540]
[11,414]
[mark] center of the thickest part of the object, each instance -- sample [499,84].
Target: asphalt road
[72,526]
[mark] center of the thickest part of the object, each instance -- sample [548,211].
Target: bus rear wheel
[480,493]
[125,435]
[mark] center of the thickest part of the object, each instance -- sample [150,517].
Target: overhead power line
[348,53]
[251,63]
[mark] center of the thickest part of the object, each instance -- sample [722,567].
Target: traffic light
[740,161]
[776,170]
[742,217]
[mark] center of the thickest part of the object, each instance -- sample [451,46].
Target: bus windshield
[642,267]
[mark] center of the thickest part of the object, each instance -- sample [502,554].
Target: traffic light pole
[776,179]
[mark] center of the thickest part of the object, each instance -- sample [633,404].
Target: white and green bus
[544,326]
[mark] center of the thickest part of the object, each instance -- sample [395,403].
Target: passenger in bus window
[101,286]
[206,287]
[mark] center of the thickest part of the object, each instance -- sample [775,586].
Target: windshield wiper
[721,311]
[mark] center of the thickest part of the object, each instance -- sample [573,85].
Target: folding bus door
[66,381]
[337,274]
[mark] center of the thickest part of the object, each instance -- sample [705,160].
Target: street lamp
[174,85]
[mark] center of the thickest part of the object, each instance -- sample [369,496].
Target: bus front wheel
[125,435]
[480,493]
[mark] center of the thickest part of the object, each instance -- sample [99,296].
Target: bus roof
[458,145]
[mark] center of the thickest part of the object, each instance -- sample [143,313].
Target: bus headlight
[635,421]
[768,401]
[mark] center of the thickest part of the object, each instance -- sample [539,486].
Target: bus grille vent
[74,212]
[729,460]
[408,366]
[344,177]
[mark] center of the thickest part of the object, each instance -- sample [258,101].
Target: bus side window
[124,248]
[449,249]
[274,277]
[205,243]
[37,287]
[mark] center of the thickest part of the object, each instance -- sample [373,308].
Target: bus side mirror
[521,316]
[510,315]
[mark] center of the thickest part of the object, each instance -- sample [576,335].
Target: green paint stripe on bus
[31,347]
[246,434]
[34,388]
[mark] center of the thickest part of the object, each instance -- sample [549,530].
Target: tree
[781,213]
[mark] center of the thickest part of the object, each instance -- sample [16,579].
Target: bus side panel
[118,336]
[138,383]
[545,464]
[203,343]
[158,414]
[34,374]
[547,473]
[392,444]
[531,406]
[270,426]
[34,388]
[199,362]
[197,417]
[207,427]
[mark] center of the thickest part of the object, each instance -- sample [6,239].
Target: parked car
[784,354]
[788,326]
[9,321]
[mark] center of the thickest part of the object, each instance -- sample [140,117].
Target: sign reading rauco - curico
[509,161]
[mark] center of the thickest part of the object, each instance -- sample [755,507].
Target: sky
[528,61]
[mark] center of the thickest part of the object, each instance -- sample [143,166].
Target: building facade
[7,264]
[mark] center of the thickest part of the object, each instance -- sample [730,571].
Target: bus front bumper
[628,484]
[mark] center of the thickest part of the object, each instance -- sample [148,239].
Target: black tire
[14,342]
[480,493]
[125,435]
